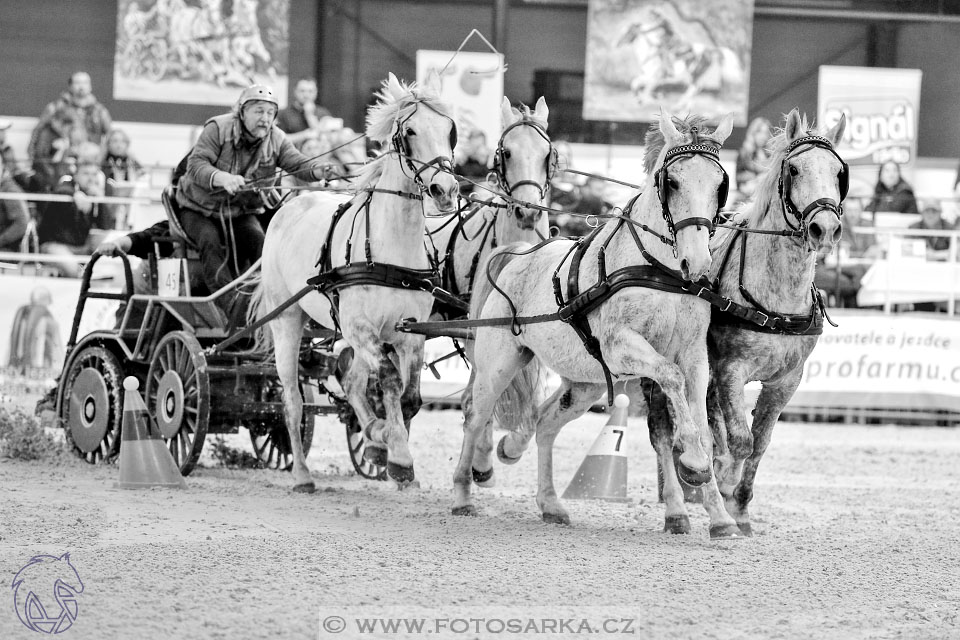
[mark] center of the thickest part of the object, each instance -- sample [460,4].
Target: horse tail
[516,409]
[263,336]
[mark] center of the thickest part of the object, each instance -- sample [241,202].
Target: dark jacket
[293,120]
[222,147]
[899,199]
[14,217]
[63,222]
[141,242]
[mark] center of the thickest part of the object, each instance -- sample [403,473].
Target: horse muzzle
[444,190]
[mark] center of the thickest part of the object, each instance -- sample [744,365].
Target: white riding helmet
[257,92]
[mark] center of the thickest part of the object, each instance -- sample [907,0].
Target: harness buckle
[729,304]
[766,318]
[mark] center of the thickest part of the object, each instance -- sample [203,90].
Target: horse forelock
[767,193]
[654,141]
[398,100]
[526,115]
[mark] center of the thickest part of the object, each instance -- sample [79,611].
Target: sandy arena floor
[857,537]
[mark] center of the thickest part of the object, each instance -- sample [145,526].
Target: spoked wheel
[270,439]
[92,409]
[178,394]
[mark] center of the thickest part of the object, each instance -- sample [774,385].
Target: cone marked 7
[603,473]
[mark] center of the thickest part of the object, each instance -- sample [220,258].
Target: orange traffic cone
[144,459]
[603,473]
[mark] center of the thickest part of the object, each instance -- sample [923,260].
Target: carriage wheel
[92,409]
[178,395]
[271,440]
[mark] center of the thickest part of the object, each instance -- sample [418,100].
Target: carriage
[198,376]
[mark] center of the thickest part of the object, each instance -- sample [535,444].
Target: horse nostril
[816,231]
[685,268]
[837,233]
[435,191]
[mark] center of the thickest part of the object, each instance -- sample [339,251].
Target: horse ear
[794,126]
[541,110]
[433,84]
[507,112]
[670,134]
[723,130]
[836,133]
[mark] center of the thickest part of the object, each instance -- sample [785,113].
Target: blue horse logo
[45,594]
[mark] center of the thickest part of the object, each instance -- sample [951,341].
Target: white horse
[524,162]
[640,330]
[380,232]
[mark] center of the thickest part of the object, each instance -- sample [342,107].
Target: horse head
[525,160]
[690,184]
[422,133]
[812,181]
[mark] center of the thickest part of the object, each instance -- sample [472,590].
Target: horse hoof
[676,524]
[746,529]
[375,455]
[413,484]
[556,518]
[401,475]
[464,510]
[693,477]
[725,532]
[483,478]
[502,456]
[306,487]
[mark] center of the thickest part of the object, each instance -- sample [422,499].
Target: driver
[235,152]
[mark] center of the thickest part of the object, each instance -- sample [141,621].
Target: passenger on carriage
[218,207]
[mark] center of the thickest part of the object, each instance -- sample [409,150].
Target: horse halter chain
[674,155]
[402,147]
[500,164]
[785,186]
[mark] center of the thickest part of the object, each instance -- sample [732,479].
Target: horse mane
[527,115]
[654,140]
[369,173]
[398,100]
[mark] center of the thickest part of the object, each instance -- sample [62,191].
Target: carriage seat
[172,209]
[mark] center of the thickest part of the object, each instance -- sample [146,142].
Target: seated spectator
[303,118]
[74,117]
[14,215]
[938,248]
[118,164]
[64,227]
[17,171]
[472,162]
[752,157]
[892,192]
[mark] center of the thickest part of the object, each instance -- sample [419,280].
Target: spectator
[14,215]
[472,162]
[590,202]
[64,227]
[304,118]
[752,158]
[931,218]
[118,164]
[892,192]
[9,160]
[233,149]
[75,117]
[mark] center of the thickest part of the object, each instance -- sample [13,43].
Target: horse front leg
[697,375]
[770,403]
[569,402]
[356,383]
[631,353]
[287,331]
[737,444]
[676,518]
[396,363]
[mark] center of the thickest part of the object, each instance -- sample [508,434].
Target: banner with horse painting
[472,84]
[199,51]
[685,55]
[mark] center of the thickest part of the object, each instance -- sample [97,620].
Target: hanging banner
[684,55]
[472,85]
[882,108]
[199,51]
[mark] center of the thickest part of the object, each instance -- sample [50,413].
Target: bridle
[402,146]
[661,180]
[500,161]
[785,185]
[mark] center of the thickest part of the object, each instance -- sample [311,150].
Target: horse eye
[506,153]
[794,171]
[410,132]
[672,183]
